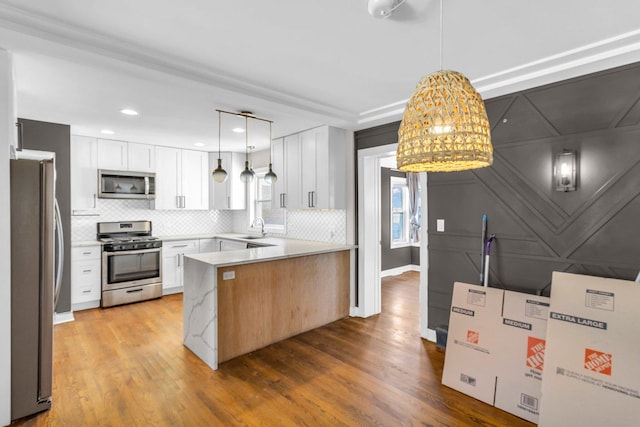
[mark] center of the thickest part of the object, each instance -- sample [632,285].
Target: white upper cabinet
[195,179]
[168,189]
[112,154]
[316,169]
[84,173]
[291,175]
[230,194]
[279,189]
[181,179]
[126,156]
[141,157]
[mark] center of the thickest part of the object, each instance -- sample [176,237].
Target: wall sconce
[565,170]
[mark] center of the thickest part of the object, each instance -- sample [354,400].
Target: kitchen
[328,226]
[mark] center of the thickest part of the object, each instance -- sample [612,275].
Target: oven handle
[139,251]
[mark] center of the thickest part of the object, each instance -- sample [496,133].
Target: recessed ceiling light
[107,132]
[198,144]
[129,112]
[238,130]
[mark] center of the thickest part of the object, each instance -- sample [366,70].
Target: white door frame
[369,238]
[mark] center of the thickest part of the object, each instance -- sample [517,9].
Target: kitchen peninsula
[239,301]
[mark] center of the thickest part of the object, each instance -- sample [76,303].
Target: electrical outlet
[440,225]
[228,275]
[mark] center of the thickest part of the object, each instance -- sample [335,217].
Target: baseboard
[176,290]
[65,317]
[85,305]
[430,336]
[399,270]
[356,312]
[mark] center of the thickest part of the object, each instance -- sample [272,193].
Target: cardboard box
[470,359]
[592,361]
[520,352]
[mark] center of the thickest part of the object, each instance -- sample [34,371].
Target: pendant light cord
[246,133]
[270,139]
[441,36]
[219,131]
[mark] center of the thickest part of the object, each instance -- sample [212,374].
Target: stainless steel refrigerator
[35,254]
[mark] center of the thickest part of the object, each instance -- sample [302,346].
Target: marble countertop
[281,248]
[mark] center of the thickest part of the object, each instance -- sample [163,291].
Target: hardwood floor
[126,366]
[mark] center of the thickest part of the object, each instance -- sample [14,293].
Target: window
[261,205]
[400,218]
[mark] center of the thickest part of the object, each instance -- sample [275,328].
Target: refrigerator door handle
[20,135]
[59,254]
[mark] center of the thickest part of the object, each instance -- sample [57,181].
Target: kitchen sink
[250,237]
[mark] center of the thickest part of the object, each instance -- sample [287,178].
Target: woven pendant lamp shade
[444,127]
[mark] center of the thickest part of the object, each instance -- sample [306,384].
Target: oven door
[131,268]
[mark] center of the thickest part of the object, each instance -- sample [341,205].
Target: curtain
[413,183]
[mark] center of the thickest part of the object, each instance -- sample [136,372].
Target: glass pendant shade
[247,174]
[444,127]
[270,177]
[219,174]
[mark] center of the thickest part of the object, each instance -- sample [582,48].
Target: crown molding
[95,47]
[608,53]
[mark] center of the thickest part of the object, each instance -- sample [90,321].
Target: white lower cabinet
[173,253]
[231,245]
[209,245]
[85,277]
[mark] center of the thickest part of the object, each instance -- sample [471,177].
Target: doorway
[369,238]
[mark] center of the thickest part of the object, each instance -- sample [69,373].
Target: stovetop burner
[127,236]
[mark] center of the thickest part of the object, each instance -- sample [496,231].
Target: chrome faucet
[261,225]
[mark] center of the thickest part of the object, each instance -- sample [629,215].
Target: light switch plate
[228,275]
[440,225]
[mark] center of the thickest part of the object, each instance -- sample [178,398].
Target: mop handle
[484,249]
[486,266]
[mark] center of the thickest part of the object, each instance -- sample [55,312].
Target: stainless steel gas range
[131,262]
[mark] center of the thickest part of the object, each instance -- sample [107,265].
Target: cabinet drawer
[85,281]
[180,247]
[86,252]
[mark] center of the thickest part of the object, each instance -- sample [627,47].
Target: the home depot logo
[535,353]
[597,361]
[473,337]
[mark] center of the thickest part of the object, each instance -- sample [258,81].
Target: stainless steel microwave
[126,185]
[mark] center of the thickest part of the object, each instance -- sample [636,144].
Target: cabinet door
[209,245]
[168,161]
[293,195]
[84,173]
[141,157]
[170,276]
[278,189]
[219,191]
[195,179]
[231,193]
[308,152]
[112,155]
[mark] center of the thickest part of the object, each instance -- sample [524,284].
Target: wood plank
[126,366]
[267,302]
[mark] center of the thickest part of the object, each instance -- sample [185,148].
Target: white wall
[7,134]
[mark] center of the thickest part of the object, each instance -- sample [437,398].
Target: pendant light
[270,177]
[219,174]
[444,125]
[247,174]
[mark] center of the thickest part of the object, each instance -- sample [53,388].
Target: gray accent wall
[594,230]
[55,137]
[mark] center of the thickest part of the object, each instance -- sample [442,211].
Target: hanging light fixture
[219,174]
[247,174]
[270,177]
[444,125]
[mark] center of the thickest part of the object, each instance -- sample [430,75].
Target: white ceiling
[298,63]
